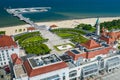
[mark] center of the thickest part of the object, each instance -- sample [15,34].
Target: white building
[7,47]
[53,67]
[47,67]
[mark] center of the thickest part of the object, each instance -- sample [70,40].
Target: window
[91,72]
[15,30]
[20,30]
[4,62]
[2,51]
[1,63]
[72,73]
[12,49]
[23,29]
[63,76]
[6,50]
[3,54]
[0,59]
[55,77]
[7,55]
[3,58]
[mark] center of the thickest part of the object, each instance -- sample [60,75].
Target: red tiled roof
[112,34]
[30,28]
[91,44]
[16,59]
[108,40]
[52,26]
[98,52]
[14,56]
[34,72]
[7,41]
[76,56]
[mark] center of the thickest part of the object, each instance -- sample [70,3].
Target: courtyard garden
[33,43]
[75,35]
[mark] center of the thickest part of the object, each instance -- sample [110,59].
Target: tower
[97,25]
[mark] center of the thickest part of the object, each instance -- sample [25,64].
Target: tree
[2,32]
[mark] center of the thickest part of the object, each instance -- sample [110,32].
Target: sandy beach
[60,24]
[74,22]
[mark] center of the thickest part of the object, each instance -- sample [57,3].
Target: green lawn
[33,39]
[32,42]
[73,34]
[65,35]
[26,35]
[79,39]
[38,49]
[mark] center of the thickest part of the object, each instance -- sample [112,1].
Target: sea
[60,10]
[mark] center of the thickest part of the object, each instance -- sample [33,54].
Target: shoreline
[102,19]
[73,22]
[62,24]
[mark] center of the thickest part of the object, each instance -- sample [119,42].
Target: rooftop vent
[39,62]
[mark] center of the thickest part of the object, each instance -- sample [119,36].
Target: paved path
[53,40]
[112,76]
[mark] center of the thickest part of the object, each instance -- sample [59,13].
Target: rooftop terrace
[44,60]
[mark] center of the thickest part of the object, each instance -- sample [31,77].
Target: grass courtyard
[33,43]
[75,35]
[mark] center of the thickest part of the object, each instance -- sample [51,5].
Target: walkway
[112,76]
[53,39]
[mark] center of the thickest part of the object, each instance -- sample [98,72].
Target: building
[90,50]
[89,59]
[7,47]
[53,67]
[17,29]
[47,67]
[14,30]
[110,36]
[31,29]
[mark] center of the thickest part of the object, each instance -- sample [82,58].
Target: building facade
[64,68]
[7,47]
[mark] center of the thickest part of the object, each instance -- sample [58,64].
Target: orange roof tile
[34,72]
[103,51]
[108,40]
[77,56]
[52,26]
[16,59]
[30,28]
[91,44]
[7,41]
[14,56]
[112,34]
